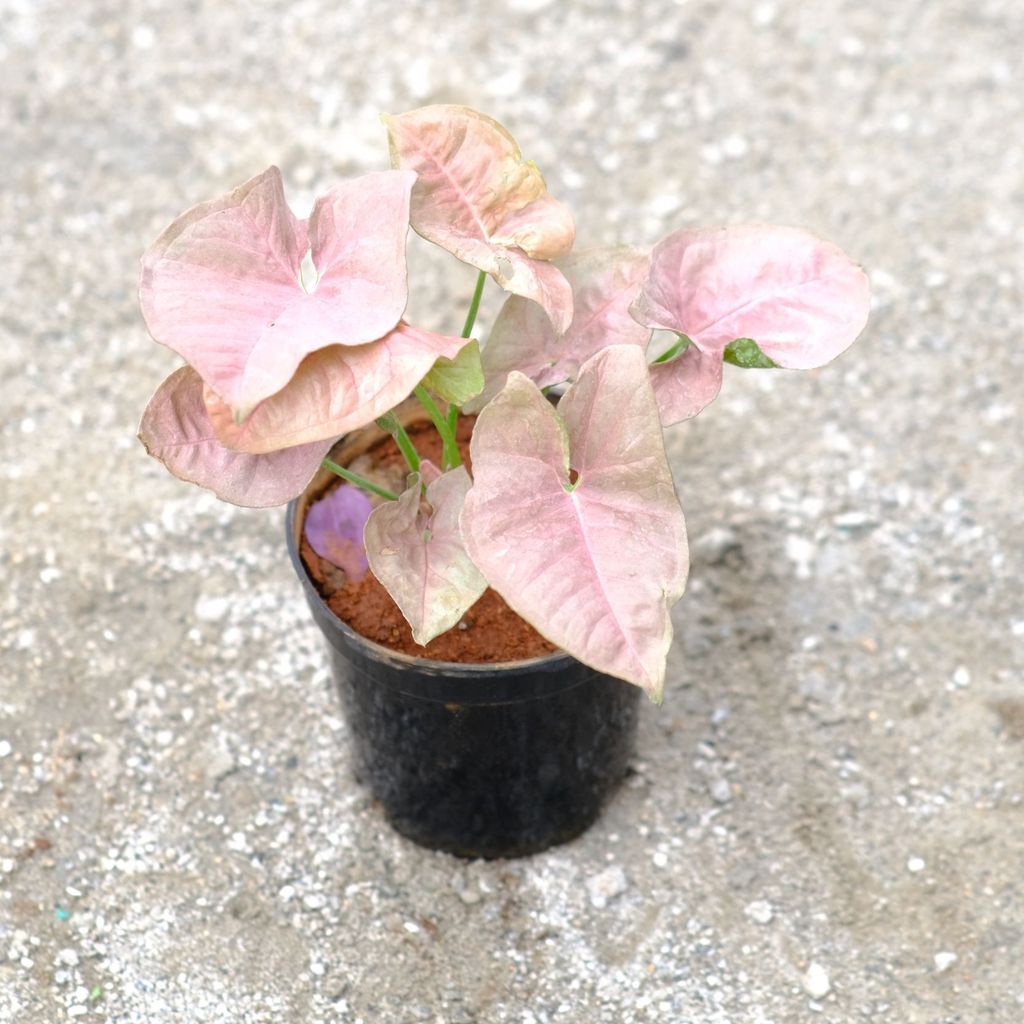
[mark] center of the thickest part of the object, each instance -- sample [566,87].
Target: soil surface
[489,632]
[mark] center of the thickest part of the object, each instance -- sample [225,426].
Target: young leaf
[417,553]
[604,282]
[221,286]
[476,197]
[334,529]
[176,430]
[573,517]
[802,300]
[460,379]
[335,390]
[746,353]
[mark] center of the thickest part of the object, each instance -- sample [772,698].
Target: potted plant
[525,475]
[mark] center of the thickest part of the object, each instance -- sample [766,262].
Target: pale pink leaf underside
[335,390]
[687,384]
[604,283]
[416,551]
[594,567]
[176,430]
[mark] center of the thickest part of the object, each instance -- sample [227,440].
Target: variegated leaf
[476,197]
[416,551]
[222,287]
[801,299]
[335,390]
[176,430]
[573,517]
[604,281]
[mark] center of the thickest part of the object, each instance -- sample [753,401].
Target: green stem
[679,347]
[389,422]
[359,481]
[474,305]
[467,331]
[407,448]
[451,449]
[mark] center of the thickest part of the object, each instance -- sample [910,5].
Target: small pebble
[915,864]
[943,961]
[606,885]
[853,520]
[721,791]
[816,982]
[735,146]
[211,609]
[5,748]
[759,911]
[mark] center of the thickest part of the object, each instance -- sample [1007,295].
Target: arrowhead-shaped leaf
[573,517]
[460,379]
[604,283]
[334,528]
[476,197]
[801,299]
[415,550]
[335,390]
[176,430]
[221,286]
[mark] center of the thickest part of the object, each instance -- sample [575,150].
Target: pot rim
[379,652]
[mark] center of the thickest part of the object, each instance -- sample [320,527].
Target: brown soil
[489,632]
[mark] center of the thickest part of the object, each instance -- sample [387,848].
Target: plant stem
[389,422]
[451,456]
[677,349]
[359,481]
[467,331]
[407,448]
[474,305]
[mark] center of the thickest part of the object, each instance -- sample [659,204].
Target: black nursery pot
[497,760]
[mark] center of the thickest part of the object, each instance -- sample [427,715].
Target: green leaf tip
[460,379]
[746,353]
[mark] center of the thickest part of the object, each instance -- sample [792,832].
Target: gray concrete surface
[826,823]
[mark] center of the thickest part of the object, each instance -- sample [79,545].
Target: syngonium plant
[294,335]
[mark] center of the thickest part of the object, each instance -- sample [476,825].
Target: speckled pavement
[826,821]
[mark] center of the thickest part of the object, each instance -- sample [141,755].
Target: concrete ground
[826,822]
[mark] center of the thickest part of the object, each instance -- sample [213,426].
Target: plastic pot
[480,760]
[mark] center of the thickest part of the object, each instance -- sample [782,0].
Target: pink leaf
[334,529]
[221,286]
[335,390]
[415,549]
[686,384]
[573,517]
[800,298]
[176,430]
[476,197]
[604,283]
